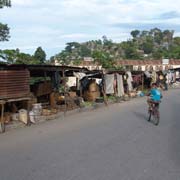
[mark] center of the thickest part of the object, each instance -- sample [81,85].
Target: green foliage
[135,33]
[4,29]
[103,58]
[174,52]
[24,58]
[152,44]
[147,47]
[111,98]
[158,54]
[130,50]
[9,55]
[87,104]
[63,58]
[77,62]
[4,32]
[6,3]
[177,41]
[34,80]
[40,55]
[85,51]
[12,56]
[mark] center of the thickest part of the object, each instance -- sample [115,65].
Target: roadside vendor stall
[14,87]
[23,87]
[54,90]
[114,82]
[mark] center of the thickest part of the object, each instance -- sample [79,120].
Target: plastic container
[37,109]
[23,116]
[15,117]
[31,116]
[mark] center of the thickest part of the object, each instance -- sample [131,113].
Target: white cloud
[22,2]
[52,24]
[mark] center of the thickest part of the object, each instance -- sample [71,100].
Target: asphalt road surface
[110,143]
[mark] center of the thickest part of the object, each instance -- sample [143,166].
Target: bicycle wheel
[2,127]
[156,117]
[150,114]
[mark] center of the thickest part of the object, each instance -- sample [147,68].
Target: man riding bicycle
[155,95]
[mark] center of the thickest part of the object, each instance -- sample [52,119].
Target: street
[109,143]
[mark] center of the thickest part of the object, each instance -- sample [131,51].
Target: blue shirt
[155,95]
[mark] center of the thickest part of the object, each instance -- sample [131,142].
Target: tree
[63,58]
[24,58]
[147,46]
[130,50]
[5,3]
[9,55]
[4,30]
[176,41]
[135,33]
[84,51]
[14,56]
[154,42]
[103,58]
[157,35]
[106,41]
[158,54]
[72,45]
[40,55]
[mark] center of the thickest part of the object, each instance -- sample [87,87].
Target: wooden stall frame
[2,125]
[3,102]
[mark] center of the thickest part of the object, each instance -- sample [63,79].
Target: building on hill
[150,65]
[87,62]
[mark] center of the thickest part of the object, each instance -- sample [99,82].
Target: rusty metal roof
[40,67]
[146,62]
[43,70]
[14,83]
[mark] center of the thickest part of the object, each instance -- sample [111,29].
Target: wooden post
[142,81]
[2,119]
[28,110]
[103,91]
[80,88]
[45,75]
[64,84]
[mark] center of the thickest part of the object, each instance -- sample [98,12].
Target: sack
[161,77]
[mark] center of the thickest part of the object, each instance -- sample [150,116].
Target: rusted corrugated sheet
[14,83]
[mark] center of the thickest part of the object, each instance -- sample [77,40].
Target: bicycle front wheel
[150,114]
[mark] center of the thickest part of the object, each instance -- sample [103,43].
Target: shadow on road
[140,115]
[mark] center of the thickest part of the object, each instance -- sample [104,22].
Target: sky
[53,23]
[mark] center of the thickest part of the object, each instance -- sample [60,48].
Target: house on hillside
[90,64]
[150,65]
[87,62]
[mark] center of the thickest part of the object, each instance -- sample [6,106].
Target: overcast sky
[52,23]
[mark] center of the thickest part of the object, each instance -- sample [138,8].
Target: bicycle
[154,113]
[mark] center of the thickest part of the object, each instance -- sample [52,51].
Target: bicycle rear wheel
[156,117]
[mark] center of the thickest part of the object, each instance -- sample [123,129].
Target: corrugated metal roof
[44,67]
[146,62]
[14,83]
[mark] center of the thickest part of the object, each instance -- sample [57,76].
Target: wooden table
[2,103]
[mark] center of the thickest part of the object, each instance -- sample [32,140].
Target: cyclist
[155,95]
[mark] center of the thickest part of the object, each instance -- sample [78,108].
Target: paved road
[114,143]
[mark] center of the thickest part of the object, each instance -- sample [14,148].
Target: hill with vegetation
[153,44]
